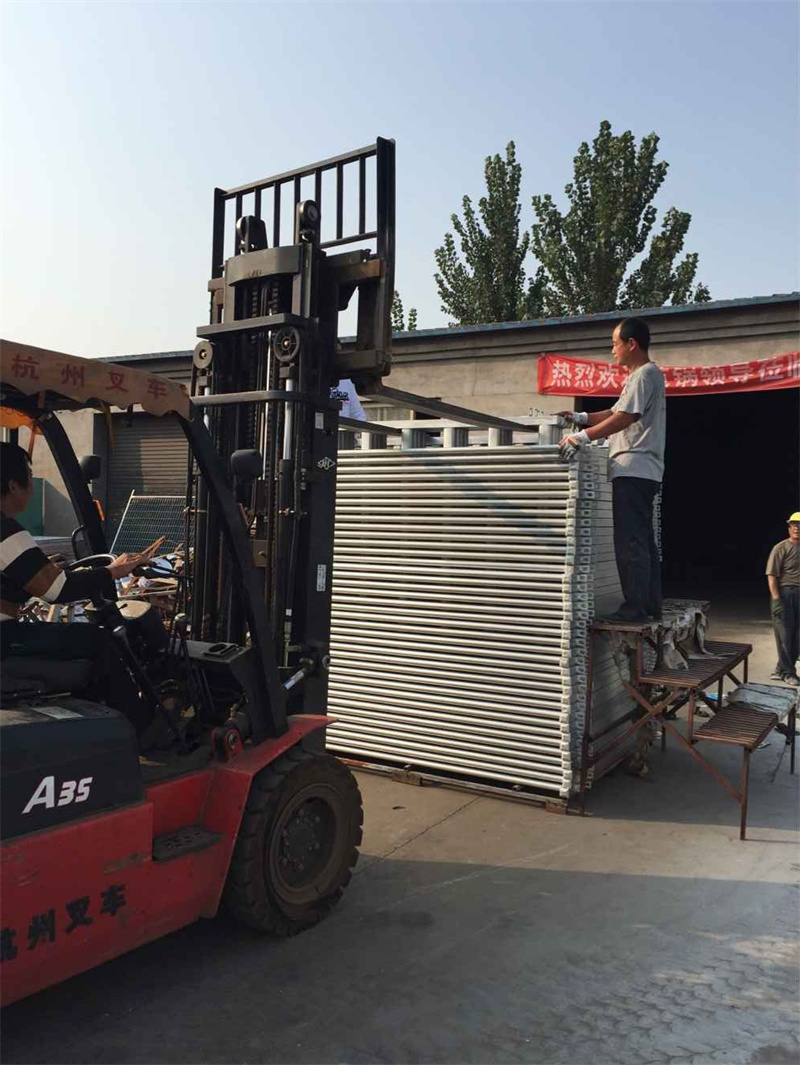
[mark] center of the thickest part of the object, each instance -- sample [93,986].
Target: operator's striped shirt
[26,572]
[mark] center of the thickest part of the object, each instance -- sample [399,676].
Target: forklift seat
[30,675]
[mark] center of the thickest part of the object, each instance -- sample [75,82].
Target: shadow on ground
[430,961]
[478,930]
[680,791]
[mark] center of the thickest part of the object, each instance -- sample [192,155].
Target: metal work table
[661,690]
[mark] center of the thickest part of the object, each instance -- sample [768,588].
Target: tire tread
[244,896]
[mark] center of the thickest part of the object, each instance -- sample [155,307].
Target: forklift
[106,847]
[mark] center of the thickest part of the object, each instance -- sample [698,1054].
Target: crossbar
[443,410]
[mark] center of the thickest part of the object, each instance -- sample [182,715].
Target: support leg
[792,723]
[745,784]
[708,766]
[663,735]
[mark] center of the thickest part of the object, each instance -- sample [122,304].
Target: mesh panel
[147,518]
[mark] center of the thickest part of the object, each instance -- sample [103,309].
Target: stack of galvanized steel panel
[464,579]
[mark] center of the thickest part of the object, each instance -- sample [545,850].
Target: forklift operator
[25,572]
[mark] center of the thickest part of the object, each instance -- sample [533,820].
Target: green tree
[586,253]
[486,282]
[399,318]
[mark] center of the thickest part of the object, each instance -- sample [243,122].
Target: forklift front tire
[297,843]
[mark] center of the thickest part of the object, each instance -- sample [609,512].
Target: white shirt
[638,451]
[346,393]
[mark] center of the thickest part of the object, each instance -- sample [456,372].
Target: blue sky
[118,119]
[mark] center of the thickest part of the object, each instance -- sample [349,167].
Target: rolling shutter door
[148,456]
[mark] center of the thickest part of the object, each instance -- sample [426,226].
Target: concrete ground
[481,930]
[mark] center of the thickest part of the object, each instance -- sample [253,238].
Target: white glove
[567,451]
[570,444]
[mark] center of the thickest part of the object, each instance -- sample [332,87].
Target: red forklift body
[79,895]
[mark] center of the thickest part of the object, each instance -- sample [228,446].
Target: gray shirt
[638,451]
[784,563]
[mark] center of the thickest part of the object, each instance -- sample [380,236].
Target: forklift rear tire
[297,843]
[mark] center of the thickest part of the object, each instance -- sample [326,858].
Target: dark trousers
[635,544]
[110,681]
[787,631]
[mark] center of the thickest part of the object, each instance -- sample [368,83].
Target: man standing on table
[636,428]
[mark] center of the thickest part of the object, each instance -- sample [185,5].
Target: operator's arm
[774,587]
[23,562]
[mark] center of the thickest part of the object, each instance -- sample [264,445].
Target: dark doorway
[732,479]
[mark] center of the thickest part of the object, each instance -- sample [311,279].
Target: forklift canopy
[34,379]
[69,382]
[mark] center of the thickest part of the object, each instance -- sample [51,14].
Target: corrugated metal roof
[534,323]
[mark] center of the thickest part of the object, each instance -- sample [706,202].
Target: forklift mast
[263,370]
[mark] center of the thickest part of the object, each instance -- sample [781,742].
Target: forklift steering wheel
[90,562]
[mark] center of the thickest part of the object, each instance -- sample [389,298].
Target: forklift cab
[139,633]
[109,850]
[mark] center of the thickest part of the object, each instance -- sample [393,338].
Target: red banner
[561,375]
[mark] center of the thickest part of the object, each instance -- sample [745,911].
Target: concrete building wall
[493,368]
